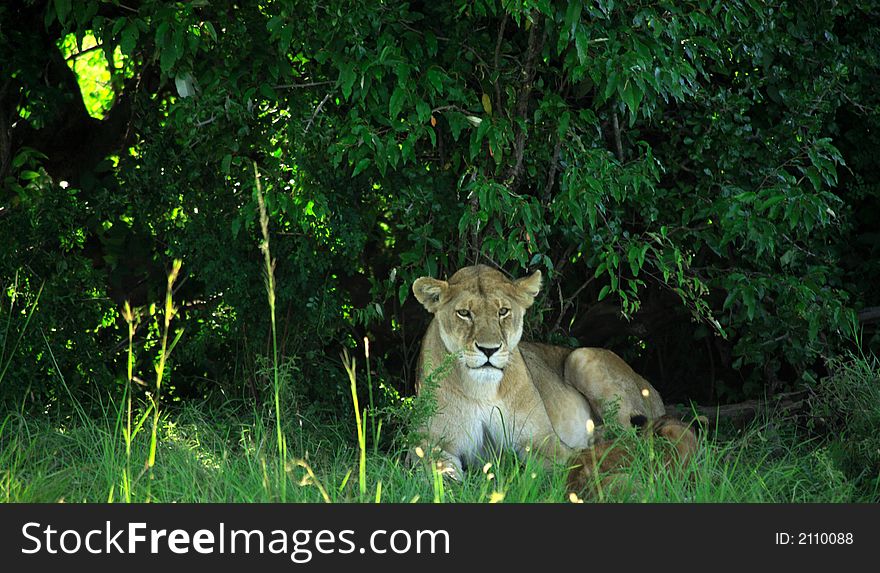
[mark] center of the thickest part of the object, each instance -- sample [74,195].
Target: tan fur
[604,465]
[525,396]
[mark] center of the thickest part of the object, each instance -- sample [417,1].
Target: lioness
[507,393]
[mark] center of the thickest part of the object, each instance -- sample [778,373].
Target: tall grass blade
[350,364]
[372,412]
[270,294]
[164,351]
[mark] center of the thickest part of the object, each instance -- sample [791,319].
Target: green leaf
[435,77]
[496,147]
[581,42]
[128,41]
[572,16]
[813,175]
[745,197]
[431,43]
[611,85]
[118,25]
[457,123]
[562,128]
[749,300]
[407,149]
[632,97]
[395,104]
[346,79]
[770,201]
[161,34]
[268,92]
[487,104]
[642,252]
[633,258]
[604,292]
[167,58]
[362,164]
[211,30]
[62,10]
[423,110]
[794,215]
[477,137]
[392,154]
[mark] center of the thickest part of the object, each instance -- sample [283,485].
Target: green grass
[223,455]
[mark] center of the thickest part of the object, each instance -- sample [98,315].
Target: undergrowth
[228,454]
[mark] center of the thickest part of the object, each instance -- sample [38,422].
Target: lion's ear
[528,288]
[429,292]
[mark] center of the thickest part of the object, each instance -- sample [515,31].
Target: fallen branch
[869,314]
[784,404]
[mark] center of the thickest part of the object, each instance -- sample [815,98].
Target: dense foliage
[698,180]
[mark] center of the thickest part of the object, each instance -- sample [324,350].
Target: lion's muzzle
[486,363]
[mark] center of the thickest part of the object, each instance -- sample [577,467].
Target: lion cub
[604,465]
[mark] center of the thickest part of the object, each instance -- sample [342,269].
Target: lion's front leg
[544,448]
[446,463]
[604,378]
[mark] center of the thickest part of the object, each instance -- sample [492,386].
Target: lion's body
[604,466]
[501,392]
[473,417]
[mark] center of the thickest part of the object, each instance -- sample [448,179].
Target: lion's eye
[463,313]
[503,312]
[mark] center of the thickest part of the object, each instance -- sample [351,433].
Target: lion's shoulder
[540,355]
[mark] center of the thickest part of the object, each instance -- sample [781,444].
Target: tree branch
[565,305]
[476,242]
[76,55]
[496,62]
[303,85]
[316,112]
[535,43]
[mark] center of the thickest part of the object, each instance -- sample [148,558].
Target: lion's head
[480,315]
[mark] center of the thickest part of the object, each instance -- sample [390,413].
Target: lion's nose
[488,350]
